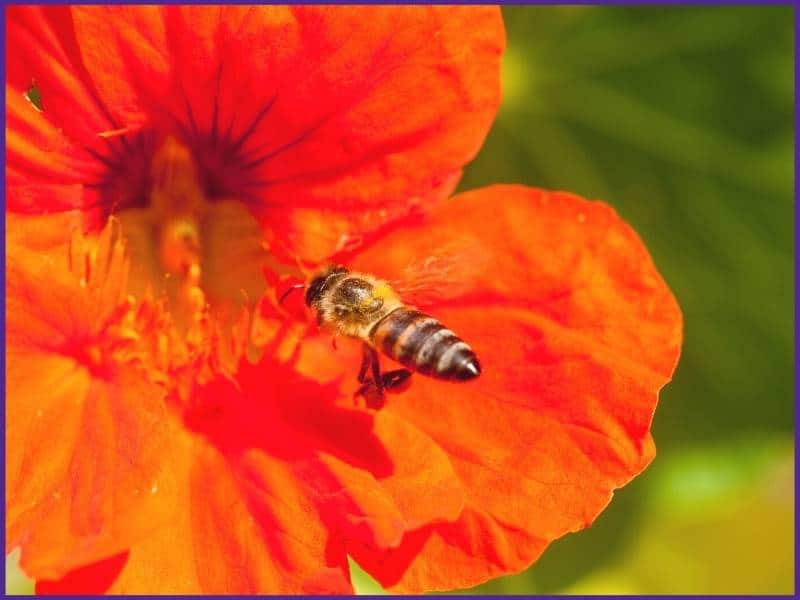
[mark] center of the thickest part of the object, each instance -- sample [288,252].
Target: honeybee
[361,306]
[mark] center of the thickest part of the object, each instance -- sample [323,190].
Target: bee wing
[445,274]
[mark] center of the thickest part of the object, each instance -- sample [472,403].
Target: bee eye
[340,311]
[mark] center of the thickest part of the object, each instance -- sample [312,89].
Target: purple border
[503,2]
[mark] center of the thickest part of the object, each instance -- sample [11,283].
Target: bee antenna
[285,294]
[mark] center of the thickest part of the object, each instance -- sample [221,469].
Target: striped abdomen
[423,344]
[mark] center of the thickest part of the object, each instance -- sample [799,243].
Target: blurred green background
[682,118]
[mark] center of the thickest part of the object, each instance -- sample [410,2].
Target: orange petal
[124,50]
[274,480]
[296,108]
[56,158]
[38,146]
[355,466]
[92,579]
[576,332]
[45,170]
[87,447]
[46,55]
[243,523]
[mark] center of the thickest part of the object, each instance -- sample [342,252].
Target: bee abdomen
[423,344]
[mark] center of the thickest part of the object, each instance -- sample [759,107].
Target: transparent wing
[443,275]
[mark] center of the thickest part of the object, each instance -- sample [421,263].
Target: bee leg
[396,380]
[376,371]
[370,358]
[374,397]
[372,388]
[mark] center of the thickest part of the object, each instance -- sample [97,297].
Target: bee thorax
[350,303]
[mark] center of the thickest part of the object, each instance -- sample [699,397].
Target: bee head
[319,283]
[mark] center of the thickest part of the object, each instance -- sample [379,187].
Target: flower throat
[178,205]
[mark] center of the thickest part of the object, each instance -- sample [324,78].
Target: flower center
[178,205]
[197,251]
[197,269]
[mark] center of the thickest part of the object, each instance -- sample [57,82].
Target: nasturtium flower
[173,428]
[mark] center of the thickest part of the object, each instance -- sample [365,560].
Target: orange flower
[173,429]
